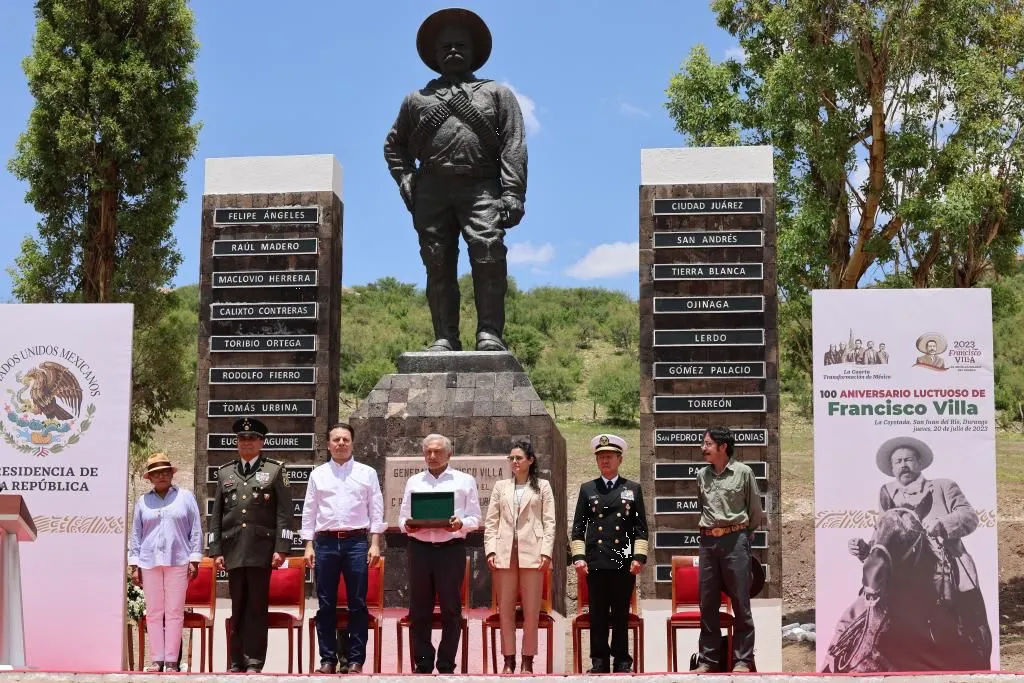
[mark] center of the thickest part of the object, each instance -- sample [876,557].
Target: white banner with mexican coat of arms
[65,390]
[905,481]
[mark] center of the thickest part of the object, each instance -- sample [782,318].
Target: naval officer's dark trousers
[610,591]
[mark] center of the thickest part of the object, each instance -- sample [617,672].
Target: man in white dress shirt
[342,522]
[437,556]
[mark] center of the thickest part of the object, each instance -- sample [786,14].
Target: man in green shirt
[730,511]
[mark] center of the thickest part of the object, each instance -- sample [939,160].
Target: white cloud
[525,253]
[529,108]
[736,52]
[627,109]
[607,260]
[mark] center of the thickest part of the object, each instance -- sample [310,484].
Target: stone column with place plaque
[708,338]
[269,312]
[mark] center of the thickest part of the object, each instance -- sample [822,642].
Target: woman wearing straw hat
[166,545]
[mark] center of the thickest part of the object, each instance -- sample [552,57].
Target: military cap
[608,442]
[430,30]
[249,425]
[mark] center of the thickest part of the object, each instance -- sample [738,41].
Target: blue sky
[590,76]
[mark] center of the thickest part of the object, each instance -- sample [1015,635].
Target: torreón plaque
[264,278]
[696,207]
[695,437]
[708,271]
[262,343]
[702,239]
[268,247]
[264,375]
[274,215]
[708,304]
[723,370]
[751,403]
[266,310]
[704,337]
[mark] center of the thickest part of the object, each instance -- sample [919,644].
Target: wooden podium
[16,526]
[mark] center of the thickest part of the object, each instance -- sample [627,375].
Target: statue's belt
[460,106]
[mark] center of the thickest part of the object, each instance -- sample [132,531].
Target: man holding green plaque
[440,507]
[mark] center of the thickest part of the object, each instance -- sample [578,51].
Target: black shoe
[327,668]
[444,346]
[599,666]
[354,668]
[236,669]
[423,670]
[447,669]
[623,666]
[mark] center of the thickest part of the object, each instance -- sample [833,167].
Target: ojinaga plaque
[708,304]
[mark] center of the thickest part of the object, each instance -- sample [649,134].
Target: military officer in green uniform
[609,549]
[250,534]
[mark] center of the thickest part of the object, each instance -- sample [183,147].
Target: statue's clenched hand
[512,211]
[406,187]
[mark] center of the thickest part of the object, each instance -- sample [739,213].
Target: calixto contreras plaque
[269,310]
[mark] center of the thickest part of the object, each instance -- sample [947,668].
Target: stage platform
[41,677]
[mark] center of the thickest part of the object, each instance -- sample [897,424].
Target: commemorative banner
[905,481]
[65,388]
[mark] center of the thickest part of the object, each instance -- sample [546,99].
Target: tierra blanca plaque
[294,407]
[701,239]
[274,215]
[687,471]
[709,271]
[695,437]
[721,370]
[267,310]
[262,343]
[272,442]
[751,403]
[268,247]
[264,278]
[705,337]
[697,207]
[708,304]
[263,375]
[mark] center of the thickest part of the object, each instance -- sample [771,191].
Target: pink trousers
[165,588]
[526,585]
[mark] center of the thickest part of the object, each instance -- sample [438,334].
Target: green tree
[106,145]
[896,127]
[615,385]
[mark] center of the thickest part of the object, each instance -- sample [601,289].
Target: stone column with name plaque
[482,401]
[269,312]
[708,338]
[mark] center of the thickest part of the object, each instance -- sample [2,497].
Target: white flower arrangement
[136,600]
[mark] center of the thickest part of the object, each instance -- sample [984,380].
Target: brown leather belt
[341,533]
[718,531]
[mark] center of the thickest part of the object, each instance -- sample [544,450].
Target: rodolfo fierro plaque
[486,469]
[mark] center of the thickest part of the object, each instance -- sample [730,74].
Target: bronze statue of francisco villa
[458,153]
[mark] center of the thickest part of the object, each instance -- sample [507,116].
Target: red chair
[287,589]
[492,623]
[202,594]
[435,625]
[581,622]
[374,602]
[686,608]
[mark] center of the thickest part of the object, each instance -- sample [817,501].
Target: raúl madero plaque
[707,337]
[263,375]
[749,403]
[264,278]
[686,471]
[271,310]
[274,215]
[268,247]
[722,370]
[701,239]
[697,207]
[272,442]
[262,343]
[708,271]
[695,437]
[296,407]
[708,304]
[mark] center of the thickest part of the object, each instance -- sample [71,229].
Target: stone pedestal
[482,401]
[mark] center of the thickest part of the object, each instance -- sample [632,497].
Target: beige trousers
[528,585]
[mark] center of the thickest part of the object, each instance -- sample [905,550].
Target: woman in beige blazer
[519,534]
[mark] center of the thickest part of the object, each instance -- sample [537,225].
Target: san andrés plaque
[707,239]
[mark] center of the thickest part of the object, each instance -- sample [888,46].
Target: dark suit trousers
[249,588]
[610,591]
[435,569]
[725,567]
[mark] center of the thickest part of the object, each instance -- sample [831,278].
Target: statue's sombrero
[430,29]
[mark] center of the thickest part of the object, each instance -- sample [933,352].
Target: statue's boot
[443,299]
[490,282]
